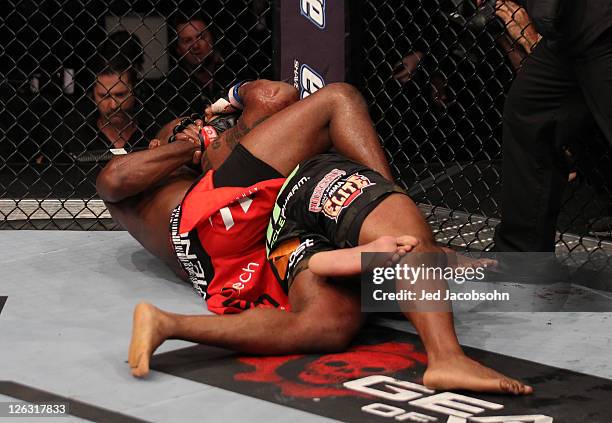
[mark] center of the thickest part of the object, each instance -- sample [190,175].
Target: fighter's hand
[190,132]
[229,104]
[154,143]
[209,115]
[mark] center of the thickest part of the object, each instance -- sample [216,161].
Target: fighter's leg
[334,116]
[448,367]
[262,99]
[324,318]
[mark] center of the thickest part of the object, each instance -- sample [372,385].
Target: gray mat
[66,324]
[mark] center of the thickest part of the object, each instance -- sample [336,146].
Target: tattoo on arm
[240,130]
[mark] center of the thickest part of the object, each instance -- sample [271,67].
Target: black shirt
[183,94]
[90,144]
[582,21]
[586,20]
[77,138]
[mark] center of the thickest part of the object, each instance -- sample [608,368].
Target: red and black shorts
[321,206]
[240,169]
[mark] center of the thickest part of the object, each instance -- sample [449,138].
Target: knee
[271,95]
[342,92]
[109,185]
[331,333]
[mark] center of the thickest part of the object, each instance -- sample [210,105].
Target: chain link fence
[79,77]
[435,73]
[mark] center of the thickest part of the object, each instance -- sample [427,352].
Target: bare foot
[147,335]
[347,261]
[459,260]
[461,372]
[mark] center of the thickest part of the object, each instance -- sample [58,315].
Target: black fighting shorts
[321,207]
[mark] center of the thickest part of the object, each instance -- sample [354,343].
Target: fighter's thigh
[147,218]
[396,215]
[329,309]
[299,131]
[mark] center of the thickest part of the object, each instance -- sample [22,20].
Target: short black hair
[180,18]
[124,44]
[117,65]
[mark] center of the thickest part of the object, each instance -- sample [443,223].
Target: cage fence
[434,72]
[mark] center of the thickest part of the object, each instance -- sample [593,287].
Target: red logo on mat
[324,376]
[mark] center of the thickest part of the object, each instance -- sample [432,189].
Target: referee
[565,83]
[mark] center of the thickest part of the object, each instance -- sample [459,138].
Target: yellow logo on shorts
[346,193]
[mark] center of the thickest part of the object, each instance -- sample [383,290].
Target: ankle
[166,324]
[442,355]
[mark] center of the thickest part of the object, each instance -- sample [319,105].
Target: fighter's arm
[130,174]
[166,131]
[260,99]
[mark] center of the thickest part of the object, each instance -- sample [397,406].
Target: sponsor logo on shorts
[339,195]
[278,219]
[314,205]
[187,259]
[299,184]
[298,254]
[314,11]
[246,276]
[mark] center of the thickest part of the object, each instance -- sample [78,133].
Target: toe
[142,369]
[407,240]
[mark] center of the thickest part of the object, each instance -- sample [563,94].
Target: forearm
[131,174]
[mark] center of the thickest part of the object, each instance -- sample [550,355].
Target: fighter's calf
[327,313]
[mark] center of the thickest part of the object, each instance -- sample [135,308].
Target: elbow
[109,185]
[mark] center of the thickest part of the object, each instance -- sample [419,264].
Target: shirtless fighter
[218,227]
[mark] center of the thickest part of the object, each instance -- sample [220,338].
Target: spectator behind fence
[426,40]
[118,121]
[126,46]
[194,82]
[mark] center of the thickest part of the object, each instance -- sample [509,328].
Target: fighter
[217,231]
